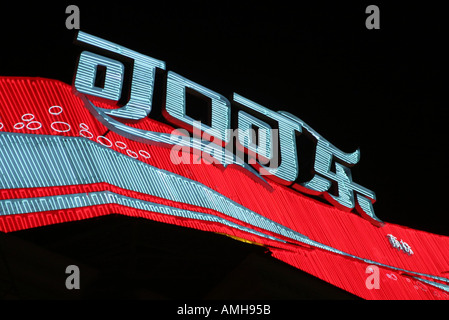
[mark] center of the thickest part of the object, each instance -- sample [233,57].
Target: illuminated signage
[73,152]
[275,155]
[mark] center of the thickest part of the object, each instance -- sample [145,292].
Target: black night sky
[377,90]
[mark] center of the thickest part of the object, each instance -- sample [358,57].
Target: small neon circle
[120,145]
[53,112]
[132,154]
[90,133]
[29,127]
[28,115]
[19,123]
[60,122]
[85,128]
[103,137]
[422,286]
[144,154]
[1,126]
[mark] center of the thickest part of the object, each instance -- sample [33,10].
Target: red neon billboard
[102,146]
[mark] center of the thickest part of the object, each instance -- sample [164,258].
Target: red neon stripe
[322,223]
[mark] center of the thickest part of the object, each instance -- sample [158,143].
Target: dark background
[377,90]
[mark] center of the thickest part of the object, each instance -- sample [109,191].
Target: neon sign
[61,162]
[278,144]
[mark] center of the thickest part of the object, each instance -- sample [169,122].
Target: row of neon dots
[30,123]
